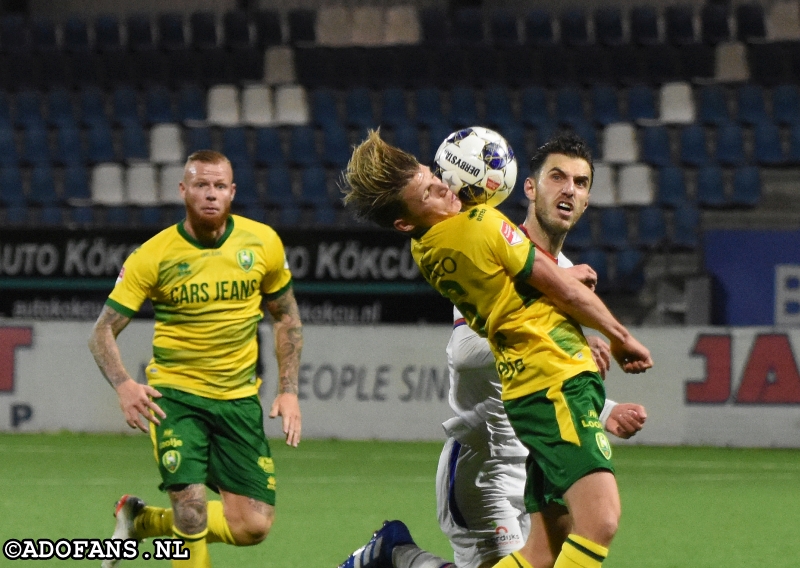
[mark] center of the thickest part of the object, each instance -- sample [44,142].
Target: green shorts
[220,443]
[561,428]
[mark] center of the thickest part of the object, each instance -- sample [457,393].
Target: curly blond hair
[376,174]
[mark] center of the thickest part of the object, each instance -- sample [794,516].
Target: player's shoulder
[161,241]
[261,230]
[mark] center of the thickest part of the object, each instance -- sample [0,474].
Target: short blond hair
[376,174]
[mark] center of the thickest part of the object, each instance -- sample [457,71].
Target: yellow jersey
[207,303]
[481,262]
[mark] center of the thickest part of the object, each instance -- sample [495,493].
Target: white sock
[412,556]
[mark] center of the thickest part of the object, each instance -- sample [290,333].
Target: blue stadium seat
[100,143]
[198,138]
[694,150]
[268,147]
[394,112]
[679,26]
[325,215]
[279,187]
[671,187]
[714,23]
[358,109]
[14,36]
[767,149]
[82,215]
[5,111]
[20,70]
[125,105]
[151,216]
[406,138]
[246,64]
[140,32]
[503,27]
[35,146]
[598,260]
[730,145]
[303,147]
[236,29]
[314,187]
[499,112]
[468,25]
[43,35]
[750,24]
[786,105]
[569,106]
[268,28]
[655,146]
[534,111]
[191,104]
[69,146]
[580,236]
[8,147]
[605,105]
[29,109]
[429,107]
[515,136]
[336,148]
[644,25]
[11,189]
[652,227]
[746,187]
[539,28]
[629,274]
[51,216]
[710,187]
[204,30]
[76,35]
[793,156]
[60,111]
[712,107]
[76,184]
[246,185]
[574,30]
[436,134]
[118,216]
[134,143]
[43,186]
[613,228]
[463,107]
[158,105]
[608,26]
[751,104]
[290,216]
[641,103]
[323,108]
[545,132]
[106,33]
[234,145]
[170,31]
[92,105]
[586,130]
[686,228]
[18,215]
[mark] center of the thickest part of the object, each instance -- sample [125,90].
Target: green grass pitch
[682,507]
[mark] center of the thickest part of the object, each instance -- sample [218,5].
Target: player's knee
[606,526]
[254,530]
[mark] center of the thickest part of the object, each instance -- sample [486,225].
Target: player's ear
[404,226]
[530,188]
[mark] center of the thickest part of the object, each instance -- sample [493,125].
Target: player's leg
[190,523]
[248,520]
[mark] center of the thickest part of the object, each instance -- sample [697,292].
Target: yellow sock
[196,546]
[153,521]
[579,552]
[218,529]
[513,560]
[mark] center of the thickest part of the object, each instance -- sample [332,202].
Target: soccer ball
[478,165]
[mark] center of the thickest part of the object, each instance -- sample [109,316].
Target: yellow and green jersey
[207,303]
[481,262]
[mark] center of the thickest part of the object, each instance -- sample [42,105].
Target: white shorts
[480,503]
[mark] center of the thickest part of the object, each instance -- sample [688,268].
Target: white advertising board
[709,386]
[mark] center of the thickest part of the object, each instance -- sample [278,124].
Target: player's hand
[135,400]
[632,356]
[626,419]
[601,353]
[287,407]
[584,273]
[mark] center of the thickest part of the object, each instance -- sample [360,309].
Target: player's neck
[204,234]
[546,241]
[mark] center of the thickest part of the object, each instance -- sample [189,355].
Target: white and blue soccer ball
[478,165]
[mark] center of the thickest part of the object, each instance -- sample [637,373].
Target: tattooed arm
[288,332]
[134,399]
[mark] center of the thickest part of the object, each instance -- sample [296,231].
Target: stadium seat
[644,25]
[107,185]
[559,57]
[767,149]
[605,105]
[118,216]
[586,130]
[76,185]
[151,216]
[198,138]
[463,107]
[711,187]
[335,148]
[166,144]
[694,148]
[676,103]
[662,63]
[236,29]
[234,145]
[35,146]
[435,134]
[569,106]
[515,136]
[279,65]
[140,32]
[358,109]
[247,193]
[679,24]
[686,228]
[629,273]
[641,103]
[619,143]
[268,148]
[394,112]
[714,23]
[434,28]
[314,187]
[671,187]
[598,260]
[655,146]
[51,216]
[125,105]
[613,228]
[534,110]
[158,105]
[499,112]
[731,63]
[750,23]
[324,110]
[539,28]
[402,25]
[751,104]
[141,185]
[429,107]
[608,27]
[8,147]
[171,34]
[92,106]
[60,111]
[18,215]
[279,188]
[203,27]
[14,36]
[291,107]
[303,147]
[257,105]
[698,62]
[169,178]
[635,185]
[223,105]
[544,132]
[69,148]
[651,227]
[11,188]
[43,37]
[107,33]
[603,186]
[746,190]
[580,236]
[76,35]
[712,106]
[268,32]
[793,156]
[82,216]
[503,27]
[100,147]
[334,25]
[191,105]
[468,25]
[368,26]
[786,105]
[783,21]
[574,29]
[28,110]
[134,143]
[406,137]
[730,145]
[769,64]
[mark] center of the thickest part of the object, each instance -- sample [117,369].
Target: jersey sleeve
[277,277]
[137,278]
[512,250]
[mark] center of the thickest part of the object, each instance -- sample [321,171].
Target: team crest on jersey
[246,259]
[510,234]
[603,444]
[171,460]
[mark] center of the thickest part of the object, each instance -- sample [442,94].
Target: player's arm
[134,398]
[288,333]
[623,419]
[577,300]
[470,350]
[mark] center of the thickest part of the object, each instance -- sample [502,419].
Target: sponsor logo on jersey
[510,234]
[266,464]
[602,443]
[271,483]
[120,276]
[171,460]
[246,259]
[183,269]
